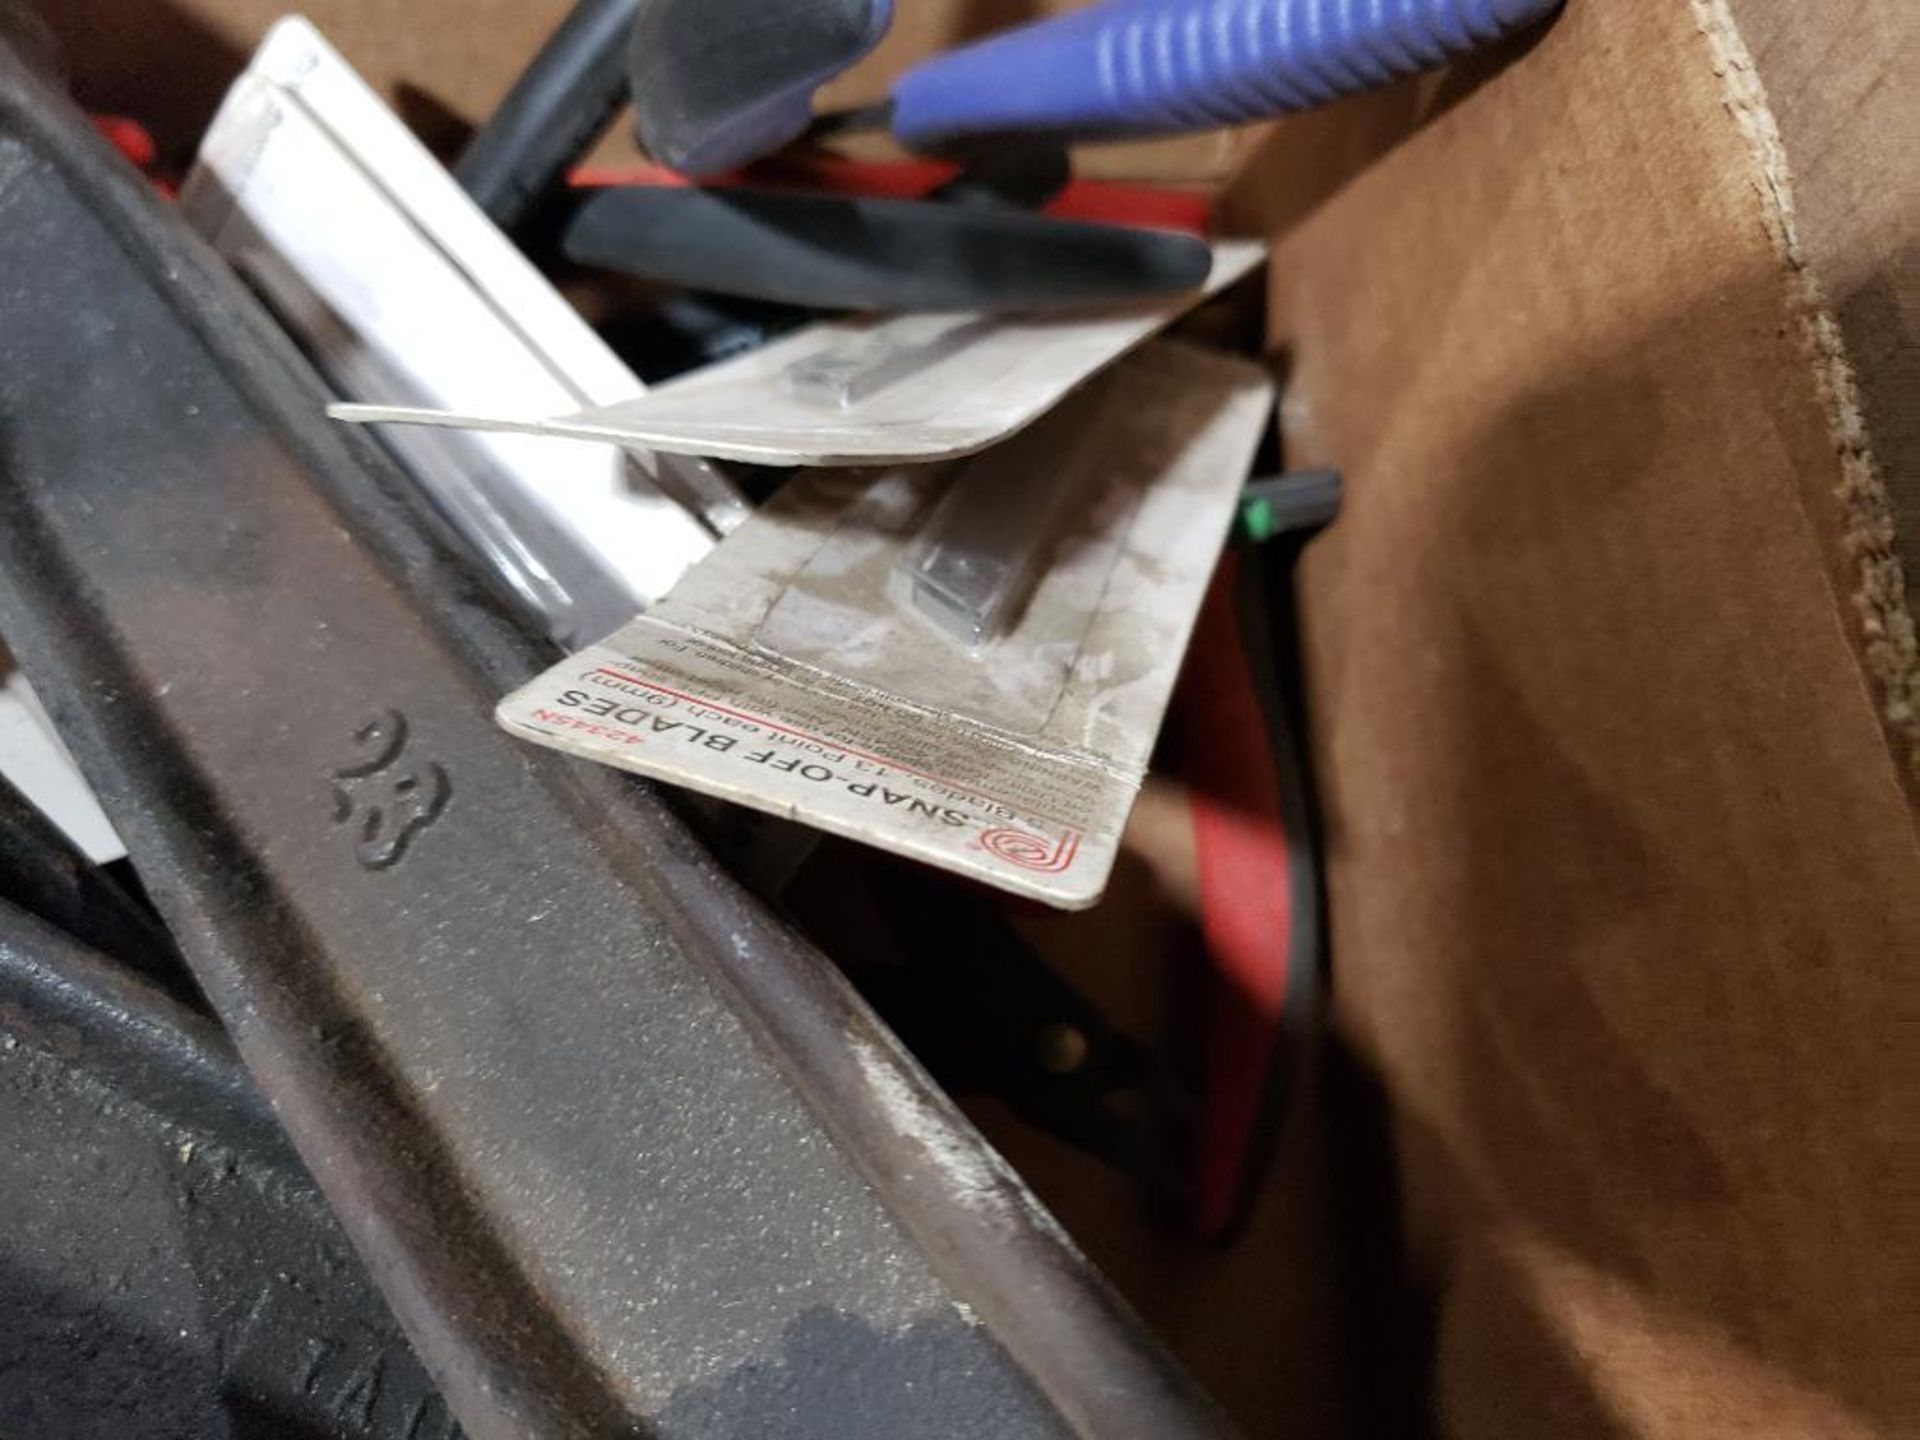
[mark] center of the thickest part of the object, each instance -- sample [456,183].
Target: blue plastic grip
[1134,68]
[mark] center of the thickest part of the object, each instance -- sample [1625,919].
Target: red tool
[1236,750]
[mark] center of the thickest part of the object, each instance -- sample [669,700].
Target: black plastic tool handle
[840,253]
[564,101]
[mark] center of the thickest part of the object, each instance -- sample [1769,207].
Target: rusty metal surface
[622,1154]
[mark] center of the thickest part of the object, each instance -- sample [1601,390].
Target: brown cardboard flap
[1623,874]
[1842,87]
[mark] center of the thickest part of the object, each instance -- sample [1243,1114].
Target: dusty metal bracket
[623,1155]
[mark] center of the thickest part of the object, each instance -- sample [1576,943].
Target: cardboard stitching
[1890,646]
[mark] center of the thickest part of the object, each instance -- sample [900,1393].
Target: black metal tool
[987,1015]
[623,1154]
[718,83]
[847,253]
[166,1266]
[42,872]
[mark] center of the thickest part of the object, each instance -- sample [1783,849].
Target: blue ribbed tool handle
[1130,68]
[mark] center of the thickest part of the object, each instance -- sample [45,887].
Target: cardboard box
[1613,678]
[1607,663]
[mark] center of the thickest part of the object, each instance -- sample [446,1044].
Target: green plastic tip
[1256,520]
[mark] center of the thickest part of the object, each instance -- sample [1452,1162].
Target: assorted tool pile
[909,545]
[984,648]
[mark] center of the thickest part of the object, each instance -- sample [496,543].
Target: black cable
[1267,620]
[554,113]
